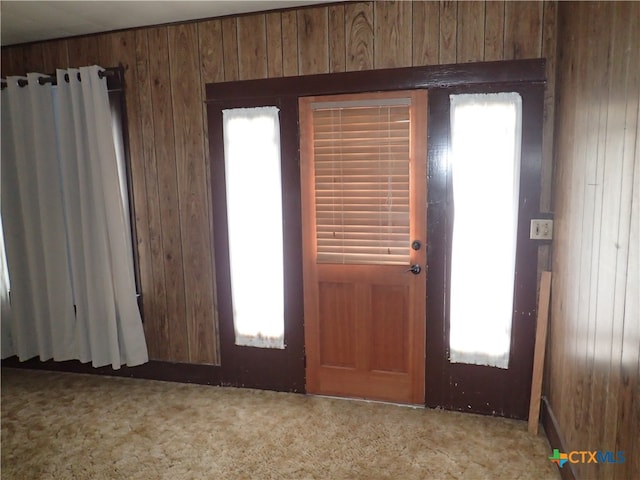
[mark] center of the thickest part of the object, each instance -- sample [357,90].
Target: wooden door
[363,180]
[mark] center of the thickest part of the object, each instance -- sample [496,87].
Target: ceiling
[30,21]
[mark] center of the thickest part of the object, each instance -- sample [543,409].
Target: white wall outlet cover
[541,229]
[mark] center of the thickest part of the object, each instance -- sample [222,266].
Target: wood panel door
[363,180]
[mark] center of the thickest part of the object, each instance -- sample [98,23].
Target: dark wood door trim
[252,367]
[460,386]
[406,78]
[266,368]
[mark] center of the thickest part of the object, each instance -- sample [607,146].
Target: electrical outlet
[541,229]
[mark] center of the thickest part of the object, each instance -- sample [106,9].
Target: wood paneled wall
[167,68]
[594,356]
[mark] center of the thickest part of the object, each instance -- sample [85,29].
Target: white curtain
[252,171]
[69,258]
[485,151]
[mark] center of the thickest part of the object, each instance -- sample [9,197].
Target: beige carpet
[69,426]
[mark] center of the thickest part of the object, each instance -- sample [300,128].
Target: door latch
[415,269]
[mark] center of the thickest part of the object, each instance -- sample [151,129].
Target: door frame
[259,368]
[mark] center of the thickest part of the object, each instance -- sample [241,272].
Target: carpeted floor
[69,426]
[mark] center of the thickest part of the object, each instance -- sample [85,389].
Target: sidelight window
[485,150]
[255,226]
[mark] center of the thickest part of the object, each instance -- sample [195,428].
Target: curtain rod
[23,82]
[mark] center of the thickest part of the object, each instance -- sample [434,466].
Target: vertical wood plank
[568,186]
[426,33]
[252,47]
[27,58]
[448,31]
[83,51]
[230,49]
[211,51]
[549,52]
[55,55]
[169,207]
[313,41]
[274,45]
[289,43]
[470,41]
[7,64]
[192,190]
[540,345]
[616,310]
[337,44]
[211,70]
[594,350]
[119,48]
[494,30]
[523,30]
[359,36]
[393,38]
[595,201]
[152,276]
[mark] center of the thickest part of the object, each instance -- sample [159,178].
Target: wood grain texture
[337,44]
[56,55]
[164,91]
[470,30]
[448,32]
[27,58]
[274,45]
[210,45]
[538,359]
[137,166]
[594,378]
[173,318]
[83,51]
[118,48]
[7,65]
[192,192]
[389,329]
[289,43]
[359,36]
[338,333]
[494,30]
[313,41]
[152,271]
[549,51]
[426,33]
[523,25]
[211,51]
[230,49]
[252,47]
[392,47]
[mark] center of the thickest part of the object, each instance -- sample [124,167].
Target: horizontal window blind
[361,166]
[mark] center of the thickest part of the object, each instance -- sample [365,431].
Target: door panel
[338,331]
[364,309]
[390,341]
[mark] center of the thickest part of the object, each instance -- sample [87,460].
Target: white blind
[361,166]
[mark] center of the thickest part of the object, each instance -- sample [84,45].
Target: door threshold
[366,400]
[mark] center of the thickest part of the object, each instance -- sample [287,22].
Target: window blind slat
[361,165]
